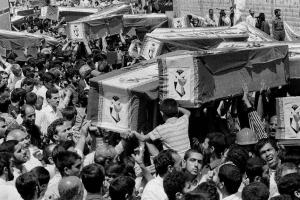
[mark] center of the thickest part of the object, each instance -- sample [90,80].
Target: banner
[119,101]
[288,113]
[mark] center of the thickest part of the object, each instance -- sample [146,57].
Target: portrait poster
[288,113]
[180,77]
[50,12]
[77,31]
[151,48]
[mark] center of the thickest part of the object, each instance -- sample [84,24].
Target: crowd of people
[260,22]
[49,150]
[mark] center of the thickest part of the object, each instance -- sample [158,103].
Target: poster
[77,31]
[180,77]
[288,113]
[180,22]
[151,48]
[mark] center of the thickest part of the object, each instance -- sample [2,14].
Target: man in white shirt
[7,191]
[250,18]
[47,84]
[165,162]
[49,113]
[211,19]
[228,181]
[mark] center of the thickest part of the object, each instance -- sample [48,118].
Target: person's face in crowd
[21,154]
[23,138]
[211,12]
[39,103]
[273,126]
[75,168]
[3,128]
[270,155]
[29,117]
[36,77]
[251,13]
[4,80]
[64,132]
[278,13]
[49,84]
[194,163]
[28,88]
[54,100]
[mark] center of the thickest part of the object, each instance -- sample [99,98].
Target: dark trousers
[279,35]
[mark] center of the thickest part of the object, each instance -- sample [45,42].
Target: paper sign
[180,22]
[151,48]
[76,31]
[180,76]
[288,113]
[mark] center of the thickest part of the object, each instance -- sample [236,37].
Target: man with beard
[7,191]
[20,155]
[267,149]
[192,164]
[24,139]
[28,115]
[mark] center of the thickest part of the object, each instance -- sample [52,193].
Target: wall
[4,15]
[290,8]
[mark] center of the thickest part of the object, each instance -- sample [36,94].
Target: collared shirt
[173,134]
[45,117]
[251,20]
[90,196]
[236,196]
[8,191]
[52,189]
[42,92]
[154,190]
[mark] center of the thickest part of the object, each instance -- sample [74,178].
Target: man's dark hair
[218,142]
[92,177]
[210,190]
[195,196]
[173,183]
[56,151]
[47,153]
[289,184]
[18,95]
[51,130]
[189,152]
[284,166]
[231,176]
[47,77]
[51,91]
[27,81]
[282,197]
[26,185]
[255,191]
[42,175]
[254,168]
[67,144]
[262,142]
[169,107]
[238,156]
[121,186]
[4,161]
[276,11]
[64,160]
[162,161]
[31,98]
[69,113]
[8,146]
[71,72]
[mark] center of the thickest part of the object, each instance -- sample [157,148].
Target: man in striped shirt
[174,132]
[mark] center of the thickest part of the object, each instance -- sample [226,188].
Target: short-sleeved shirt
[173,134]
